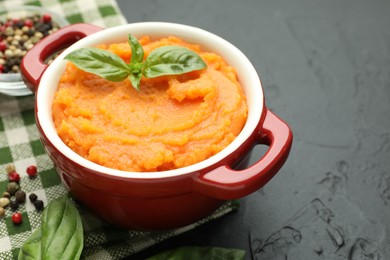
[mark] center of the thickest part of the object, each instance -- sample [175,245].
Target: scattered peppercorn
[12,188]
[14,205]
[31,170]
[4,202]
[10,167]
[20,196]
[33,197]
[12,31]
[17,218]
[6,195]
[3,46]
[14,177]
[38,205]
[46,18]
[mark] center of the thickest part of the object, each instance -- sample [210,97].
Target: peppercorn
[4,202]
[3,46]
[14,205]
[14,176]
[19,35]
[8,53]
[19,24]
[38,205]
[31,170]
[33,197]
[12,188]
[17,218]
[20,196]
[6,195]
[28,23]
[46,18]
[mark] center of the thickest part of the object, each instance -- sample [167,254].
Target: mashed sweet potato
[172,122]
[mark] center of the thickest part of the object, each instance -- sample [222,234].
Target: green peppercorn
[9,31]
[12,188]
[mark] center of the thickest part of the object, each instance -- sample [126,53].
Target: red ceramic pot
[157,200]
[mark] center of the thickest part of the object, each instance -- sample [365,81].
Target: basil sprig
[165,60]
[60,235]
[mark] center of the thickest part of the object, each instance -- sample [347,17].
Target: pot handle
[226,184]
[33,66]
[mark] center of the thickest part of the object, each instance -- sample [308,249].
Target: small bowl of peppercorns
[20,29]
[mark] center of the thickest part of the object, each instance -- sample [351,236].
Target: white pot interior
[247,75]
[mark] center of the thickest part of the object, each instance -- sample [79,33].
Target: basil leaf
[204,253]
[135,79]
[166,60]
[137,52]
[31,249]
[100,62]
[172,60]
[60,235]
[62,231]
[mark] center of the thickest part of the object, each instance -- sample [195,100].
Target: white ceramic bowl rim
[247,74]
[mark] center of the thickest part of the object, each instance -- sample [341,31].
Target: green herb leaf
[135,79]
[31,249]
[204,253]
[62,231]
[100,62]
[172,60]
[137,52]
[60,235]
[166,60]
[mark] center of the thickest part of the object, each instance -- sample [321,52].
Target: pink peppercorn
[3,46]
[46,18]
[31,170]
[13,177]
[29,23]
[17,218]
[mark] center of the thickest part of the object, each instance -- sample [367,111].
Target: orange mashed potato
[172,122]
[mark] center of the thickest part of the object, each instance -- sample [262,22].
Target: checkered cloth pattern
[20,145]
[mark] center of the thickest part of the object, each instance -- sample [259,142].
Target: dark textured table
[325,69]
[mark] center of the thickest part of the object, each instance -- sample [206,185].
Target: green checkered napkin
[20,145]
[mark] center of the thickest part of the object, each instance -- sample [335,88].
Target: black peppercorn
[20,196]
[38,204]
[14,205]
[30,33]
[33,197]
[19,24]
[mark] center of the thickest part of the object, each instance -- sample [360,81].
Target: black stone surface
[325,69]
